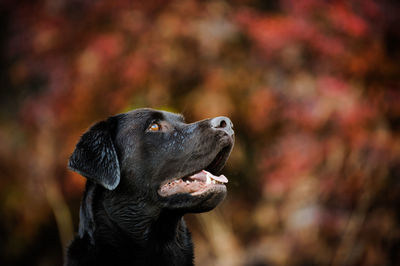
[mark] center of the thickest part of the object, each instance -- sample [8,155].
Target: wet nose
[222,123]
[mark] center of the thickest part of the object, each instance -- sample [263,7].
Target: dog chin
[211,199]
[201,202]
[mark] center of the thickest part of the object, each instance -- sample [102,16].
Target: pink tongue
[203,174]
[220,178]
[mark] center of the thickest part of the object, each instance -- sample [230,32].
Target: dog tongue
[207,176]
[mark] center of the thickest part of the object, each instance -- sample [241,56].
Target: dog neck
[138,227]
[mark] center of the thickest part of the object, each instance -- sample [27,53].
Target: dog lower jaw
[184,203]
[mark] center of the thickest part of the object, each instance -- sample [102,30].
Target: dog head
[156,156]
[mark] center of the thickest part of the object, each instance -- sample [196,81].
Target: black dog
[145,170]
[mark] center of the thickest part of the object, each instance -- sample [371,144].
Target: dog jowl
[145,169]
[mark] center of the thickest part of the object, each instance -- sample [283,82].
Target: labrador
[145,169]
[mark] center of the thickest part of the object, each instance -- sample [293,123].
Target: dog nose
[222,123]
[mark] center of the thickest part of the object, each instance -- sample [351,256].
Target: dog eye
[155,127]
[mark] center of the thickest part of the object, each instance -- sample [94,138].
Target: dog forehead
[143,115]
[173,117]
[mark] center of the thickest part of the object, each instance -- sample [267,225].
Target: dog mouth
[200,182]
[194,185]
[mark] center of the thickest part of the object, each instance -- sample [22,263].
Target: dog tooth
[187,181]
[208,181]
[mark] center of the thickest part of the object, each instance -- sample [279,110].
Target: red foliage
[312,87]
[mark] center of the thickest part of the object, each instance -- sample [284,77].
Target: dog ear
[95,156]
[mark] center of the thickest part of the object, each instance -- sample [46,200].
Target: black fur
[95,156]
[123,218]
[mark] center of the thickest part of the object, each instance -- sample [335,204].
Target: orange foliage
[311,86]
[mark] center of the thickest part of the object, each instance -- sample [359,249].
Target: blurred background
[312,87]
